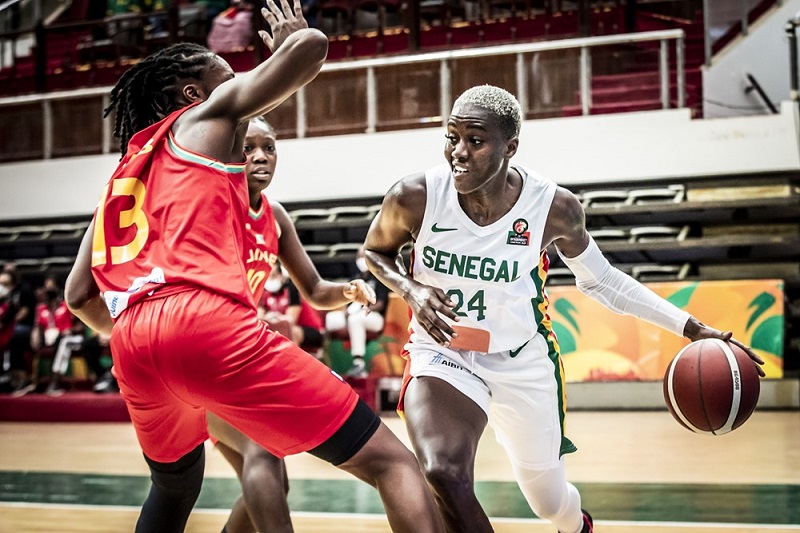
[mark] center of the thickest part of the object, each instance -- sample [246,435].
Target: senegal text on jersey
[469,266]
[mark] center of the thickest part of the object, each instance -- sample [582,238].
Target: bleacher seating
[702,228]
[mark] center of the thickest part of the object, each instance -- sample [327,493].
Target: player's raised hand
[283,21]
[429,305]
[358,290]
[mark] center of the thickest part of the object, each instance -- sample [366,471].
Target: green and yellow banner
[600,345]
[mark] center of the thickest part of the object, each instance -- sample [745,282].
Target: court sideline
[637,471]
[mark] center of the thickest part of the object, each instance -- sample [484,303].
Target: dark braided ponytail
[149,90]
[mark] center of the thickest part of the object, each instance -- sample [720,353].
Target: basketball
[711,387]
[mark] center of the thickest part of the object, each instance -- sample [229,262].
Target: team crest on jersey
[519,234]
[260,239]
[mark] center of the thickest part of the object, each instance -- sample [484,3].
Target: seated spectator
[58,330]
[358,319]
[95,346]
[7,313]
[232,29]
[21,303]
[286,312]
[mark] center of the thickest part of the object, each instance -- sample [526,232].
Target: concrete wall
[631,146]
[763,53]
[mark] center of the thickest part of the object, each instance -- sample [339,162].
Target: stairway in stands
[638,86]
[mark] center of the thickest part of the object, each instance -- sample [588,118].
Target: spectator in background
[286,311]
[58,329]
[95,346]
[23,303]
[232,30]
[7,321]
[359,319]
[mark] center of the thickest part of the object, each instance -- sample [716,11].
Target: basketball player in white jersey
[481,348]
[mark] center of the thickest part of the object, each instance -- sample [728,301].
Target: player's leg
[445,427]
[365,447]
[263,478]
[173,492]
[550,496]
[528,413]
[288,402]
[239,520]
[170,430]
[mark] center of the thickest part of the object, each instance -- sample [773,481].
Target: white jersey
[494,274]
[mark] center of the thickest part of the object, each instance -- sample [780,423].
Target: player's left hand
[696,330]
[358,290]
[283,21]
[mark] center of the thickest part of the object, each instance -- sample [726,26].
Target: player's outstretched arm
[298,54]
[320,293]
[598,279]
[397,223]
[81,291]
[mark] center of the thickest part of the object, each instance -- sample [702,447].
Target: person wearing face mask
[358,320]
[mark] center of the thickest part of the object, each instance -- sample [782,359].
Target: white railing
[444,59]
[584,44]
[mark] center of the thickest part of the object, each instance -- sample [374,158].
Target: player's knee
[253,453]
[547,506]
[548,496]
[448,478]
[181,479]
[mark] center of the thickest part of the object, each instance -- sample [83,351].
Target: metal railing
[444,61]
[584,44]
[724,18]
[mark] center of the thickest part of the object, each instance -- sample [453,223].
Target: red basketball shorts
[176,357]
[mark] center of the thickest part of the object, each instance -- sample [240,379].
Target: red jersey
[7,323]
[60,318]
[170,219]
[288,296]
[261,246]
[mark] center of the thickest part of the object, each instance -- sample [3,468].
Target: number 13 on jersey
[133,217]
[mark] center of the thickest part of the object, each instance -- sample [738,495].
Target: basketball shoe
[588,523]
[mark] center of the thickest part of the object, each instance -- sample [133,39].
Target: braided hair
[149,90]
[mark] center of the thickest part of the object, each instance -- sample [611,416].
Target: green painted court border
[747,504]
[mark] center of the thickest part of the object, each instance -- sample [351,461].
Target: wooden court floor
[637,471]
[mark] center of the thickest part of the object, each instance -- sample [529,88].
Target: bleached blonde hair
[499,102]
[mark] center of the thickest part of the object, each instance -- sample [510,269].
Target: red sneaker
[588,523]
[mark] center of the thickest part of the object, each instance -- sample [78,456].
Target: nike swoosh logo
[514,353]
[437,229]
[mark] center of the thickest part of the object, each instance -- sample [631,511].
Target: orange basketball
[711,387]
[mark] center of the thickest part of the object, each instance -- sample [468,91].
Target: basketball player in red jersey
[164,253]
[269,235]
